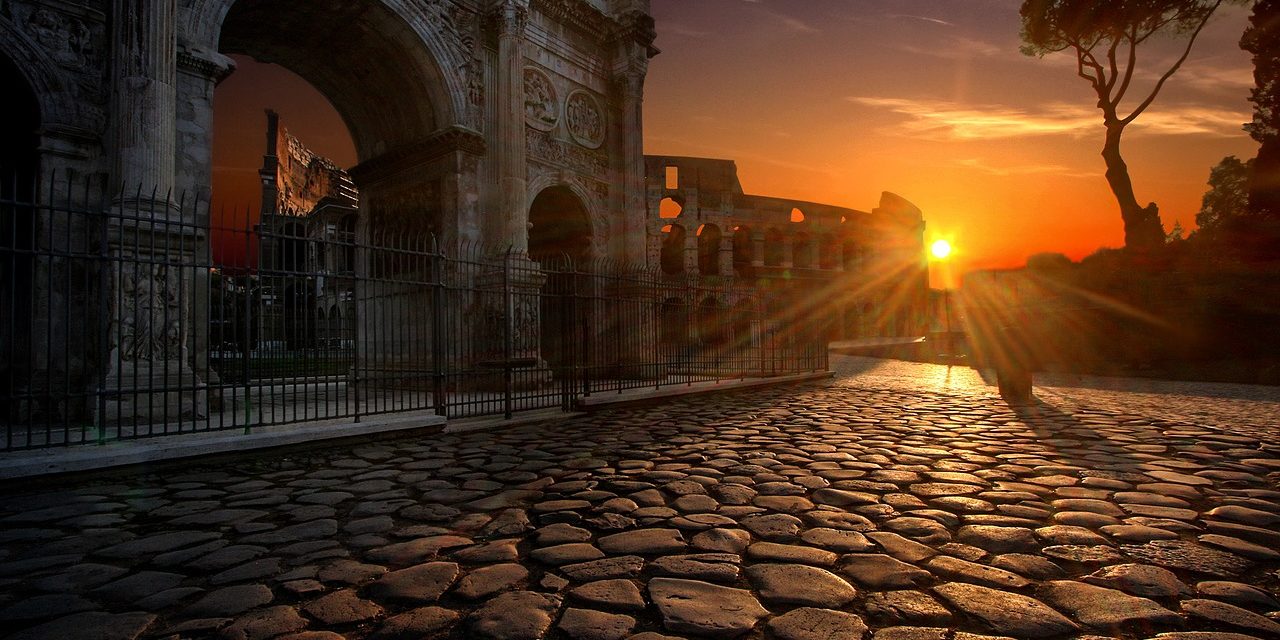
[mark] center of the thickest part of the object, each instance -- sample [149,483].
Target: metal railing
[131,317]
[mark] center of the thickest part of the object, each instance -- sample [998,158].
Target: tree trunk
[1142,228]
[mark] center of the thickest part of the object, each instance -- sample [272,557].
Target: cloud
[904,16]
[1058,170]
[956,47]
[956,121]
[678,29]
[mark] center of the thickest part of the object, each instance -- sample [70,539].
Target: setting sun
[940,249]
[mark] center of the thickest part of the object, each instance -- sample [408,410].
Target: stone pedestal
[507,323]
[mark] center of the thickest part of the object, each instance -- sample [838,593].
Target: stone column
[511,17]
[788,252]
[631,85]
[757,248]
[149,377]
[145,78]
[726,254]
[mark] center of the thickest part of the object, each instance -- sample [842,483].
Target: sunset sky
[837,100]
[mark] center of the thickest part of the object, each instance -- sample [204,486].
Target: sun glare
[940,249]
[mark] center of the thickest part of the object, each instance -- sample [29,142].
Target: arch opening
[559,226]
[742,252]
[672,258]
[670,209]
[709,250]
[19,171]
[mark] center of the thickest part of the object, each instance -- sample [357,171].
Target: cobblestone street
[900,501]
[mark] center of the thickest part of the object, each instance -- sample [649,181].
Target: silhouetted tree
[1262,39]
[1227,198]
[1104,36]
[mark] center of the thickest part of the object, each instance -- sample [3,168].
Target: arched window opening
[797,215]
[849,255]
[672,258]
[829,256]
[774,248]
[669,209]
[709,250]
[802,251]
[742,251]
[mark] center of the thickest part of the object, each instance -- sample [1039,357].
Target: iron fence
[139,316]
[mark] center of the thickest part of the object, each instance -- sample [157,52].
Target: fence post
[437,329]
[508,317]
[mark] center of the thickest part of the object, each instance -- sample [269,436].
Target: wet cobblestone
[897,501]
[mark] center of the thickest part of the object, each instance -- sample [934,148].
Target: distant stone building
[306,244]
[864,273]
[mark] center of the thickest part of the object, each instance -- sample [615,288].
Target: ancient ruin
[513,125]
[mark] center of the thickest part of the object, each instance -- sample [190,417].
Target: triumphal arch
[496,236]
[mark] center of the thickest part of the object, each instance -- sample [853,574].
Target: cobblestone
[898,501]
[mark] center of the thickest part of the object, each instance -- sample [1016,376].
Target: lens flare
[940,249]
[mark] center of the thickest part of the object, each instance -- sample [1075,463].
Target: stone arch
[57,100]
[19,172]
[743,252]
[802,251]
[390,87]
[560,224]
[774,247]
[709,237]
[672,257]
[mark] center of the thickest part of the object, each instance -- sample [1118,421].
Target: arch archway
[367,58]
[19,170]
[709,250]
[559,225]
[672,257]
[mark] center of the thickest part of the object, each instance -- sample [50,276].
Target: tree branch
[1167,74]
[1132,36]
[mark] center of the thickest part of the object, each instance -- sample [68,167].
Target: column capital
[510,17]
[207,64]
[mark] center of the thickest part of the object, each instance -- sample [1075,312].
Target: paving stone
[43,607]
[561,533]
[566,554]
[1007,613]
[341,608]
[689,606]
[800,585]
[878,572]
[913,633]
[644,542]
[1137,533]
[1106,609]
[1229,615]
[421,584]
[155,544]
[91,625]
[776,527]
[79,577]
[229,601]
[486,581]
[838,541]
[771,551]
[722,540]
[1188,556]
[713,567]
[264,623]
[808,623]
[1139,580]
[1083,554]
[619,567]
[517,615]
[1238,594]
[616,594]
[349,572]
[416,624]
[585,624]
[1239,547]
[137,586]
[894,544]
[906,608]
[999,539]
[963,571]
[415,551]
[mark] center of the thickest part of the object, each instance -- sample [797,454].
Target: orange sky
[837,100]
